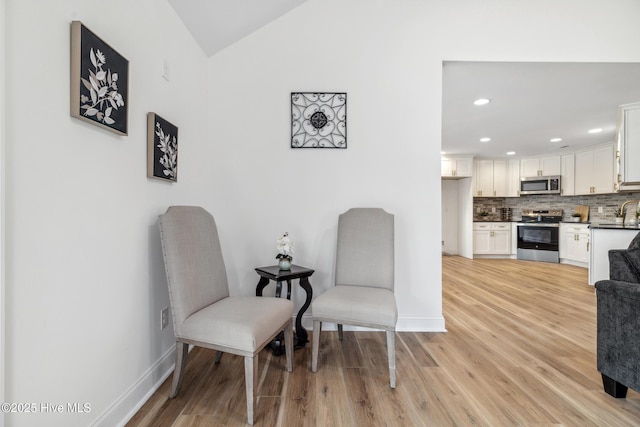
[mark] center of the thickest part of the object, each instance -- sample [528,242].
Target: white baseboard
[125,407]
[421,324]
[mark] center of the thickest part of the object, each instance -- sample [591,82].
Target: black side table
[273,272]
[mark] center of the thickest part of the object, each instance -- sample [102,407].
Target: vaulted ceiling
[216,24]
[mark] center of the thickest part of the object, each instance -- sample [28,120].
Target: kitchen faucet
[624,205]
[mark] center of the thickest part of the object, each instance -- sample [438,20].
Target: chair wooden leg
[251,377]
[317,326]
[340,332]
[218,357]
[182,352]
[391,351]
[288,345]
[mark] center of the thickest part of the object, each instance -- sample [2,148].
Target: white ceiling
[216,24]
[530,102]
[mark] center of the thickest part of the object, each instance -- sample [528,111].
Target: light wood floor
[519,351]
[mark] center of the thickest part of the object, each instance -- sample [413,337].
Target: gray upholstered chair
[364,281]
[203,312]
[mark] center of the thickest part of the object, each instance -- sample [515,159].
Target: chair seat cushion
[357,305]
[242,323]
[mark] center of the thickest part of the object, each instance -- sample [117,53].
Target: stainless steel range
[538,235]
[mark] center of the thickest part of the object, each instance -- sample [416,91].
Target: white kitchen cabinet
[540,166]
[500,178]
[491,238]
[490,178]
[568,172]
[483,178]
[456,167]
[513,178]
[594,171]
[628,146]
[575,242]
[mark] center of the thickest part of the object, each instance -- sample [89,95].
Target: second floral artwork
[162,156]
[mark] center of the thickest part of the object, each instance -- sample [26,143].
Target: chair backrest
[365,253]
[193,261]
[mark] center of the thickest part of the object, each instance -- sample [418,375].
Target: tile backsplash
[608,202]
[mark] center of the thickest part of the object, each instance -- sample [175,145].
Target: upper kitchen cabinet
[513,178]
[456,167]
[594,170]
[567,179]
[540,166]
[496,178]
[491,179]
[628,146]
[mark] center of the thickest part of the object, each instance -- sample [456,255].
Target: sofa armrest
[624,265]
[618,331]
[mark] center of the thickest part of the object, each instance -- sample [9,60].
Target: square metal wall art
[318,120]
[99,81]
[162,148]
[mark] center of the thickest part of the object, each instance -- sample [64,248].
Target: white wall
[450,220]
[465,217]
[457,217]
[263,187]
[84,277]
[2,191]
[85,282]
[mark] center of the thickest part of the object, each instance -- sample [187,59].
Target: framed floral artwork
[99,81]
[318,120]
[162,153]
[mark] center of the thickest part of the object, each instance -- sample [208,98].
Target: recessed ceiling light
[596,130]
[510,153]
[555,140]
[481,101]
[485,139]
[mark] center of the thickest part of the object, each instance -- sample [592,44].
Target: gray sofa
[619,321]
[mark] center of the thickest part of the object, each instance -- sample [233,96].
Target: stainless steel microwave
[540,185]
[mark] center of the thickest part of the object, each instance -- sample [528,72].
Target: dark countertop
[613,226]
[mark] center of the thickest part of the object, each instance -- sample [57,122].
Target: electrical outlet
[493,210]
[478,210]
[164,317]
[600,209]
